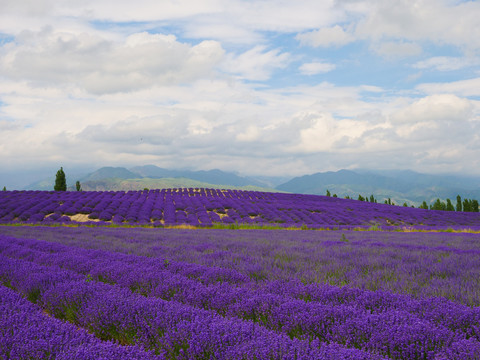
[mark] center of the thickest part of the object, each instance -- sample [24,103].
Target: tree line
[468,205]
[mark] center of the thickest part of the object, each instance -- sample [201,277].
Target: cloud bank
[259,87]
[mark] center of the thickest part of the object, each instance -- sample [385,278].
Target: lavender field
[130,292]
[114,293]
[207,207]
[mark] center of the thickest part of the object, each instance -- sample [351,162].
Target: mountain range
[150,176]
[399,185]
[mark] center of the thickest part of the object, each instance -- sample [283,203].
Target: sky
[264,87]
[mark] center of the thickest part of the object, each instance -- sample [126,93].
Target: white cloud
[435,108]
[29,8]
[401,28]
[232,126]
[317,67]
[251,133]
[437,128]
[327,134]
[446,63]
[392,49]
[468,87]
[51,58]
[436,21]
[256,63]
[236,21]
[428,134]
[95,87]
[326,37]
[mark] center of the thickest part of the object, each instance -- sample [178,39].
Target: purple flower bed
[205,207]
[249,294]
[28,333]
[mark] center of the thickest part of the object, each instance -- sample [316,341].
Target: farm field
[198,207]
[136,289]
[146,293]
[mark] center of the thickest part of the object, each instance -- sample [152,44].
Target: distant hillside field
[208,207]
[117,184]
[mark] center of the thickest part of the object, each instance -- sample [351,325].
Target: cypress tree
[450,206]
[4,188]
[78,186]
[328,192]
[438,205]
[60,181]
[466,205]
[459,203]
[475,205]
[424,205]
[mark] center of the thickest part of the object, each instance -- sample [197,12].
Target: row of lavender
[418,264]
[204,207]
[165,329]
[178,309]
[28,333]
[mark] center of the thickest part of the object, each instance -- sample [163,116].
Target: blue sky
[264,87]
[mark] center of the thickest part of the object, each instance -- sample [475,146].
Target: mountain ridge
[109,178]
[401,186]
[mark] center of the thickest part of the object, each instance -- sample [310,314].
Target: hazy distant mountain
[447,181]
[400,186]
[216,177]
[108,172]
[45,184]
[159,183]
[150,176]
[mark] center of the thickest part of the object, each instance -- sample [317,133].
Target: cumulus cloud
[317,67]
[421,134]
[439,107]
[224,128]
[426,20]
[326,37]
[436,120]
[392,49]
[250,134]
[101,66]
[326,134]
[214,84]
[468,87]
[233,21]
[446,63]
[257,63]
[29,7]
